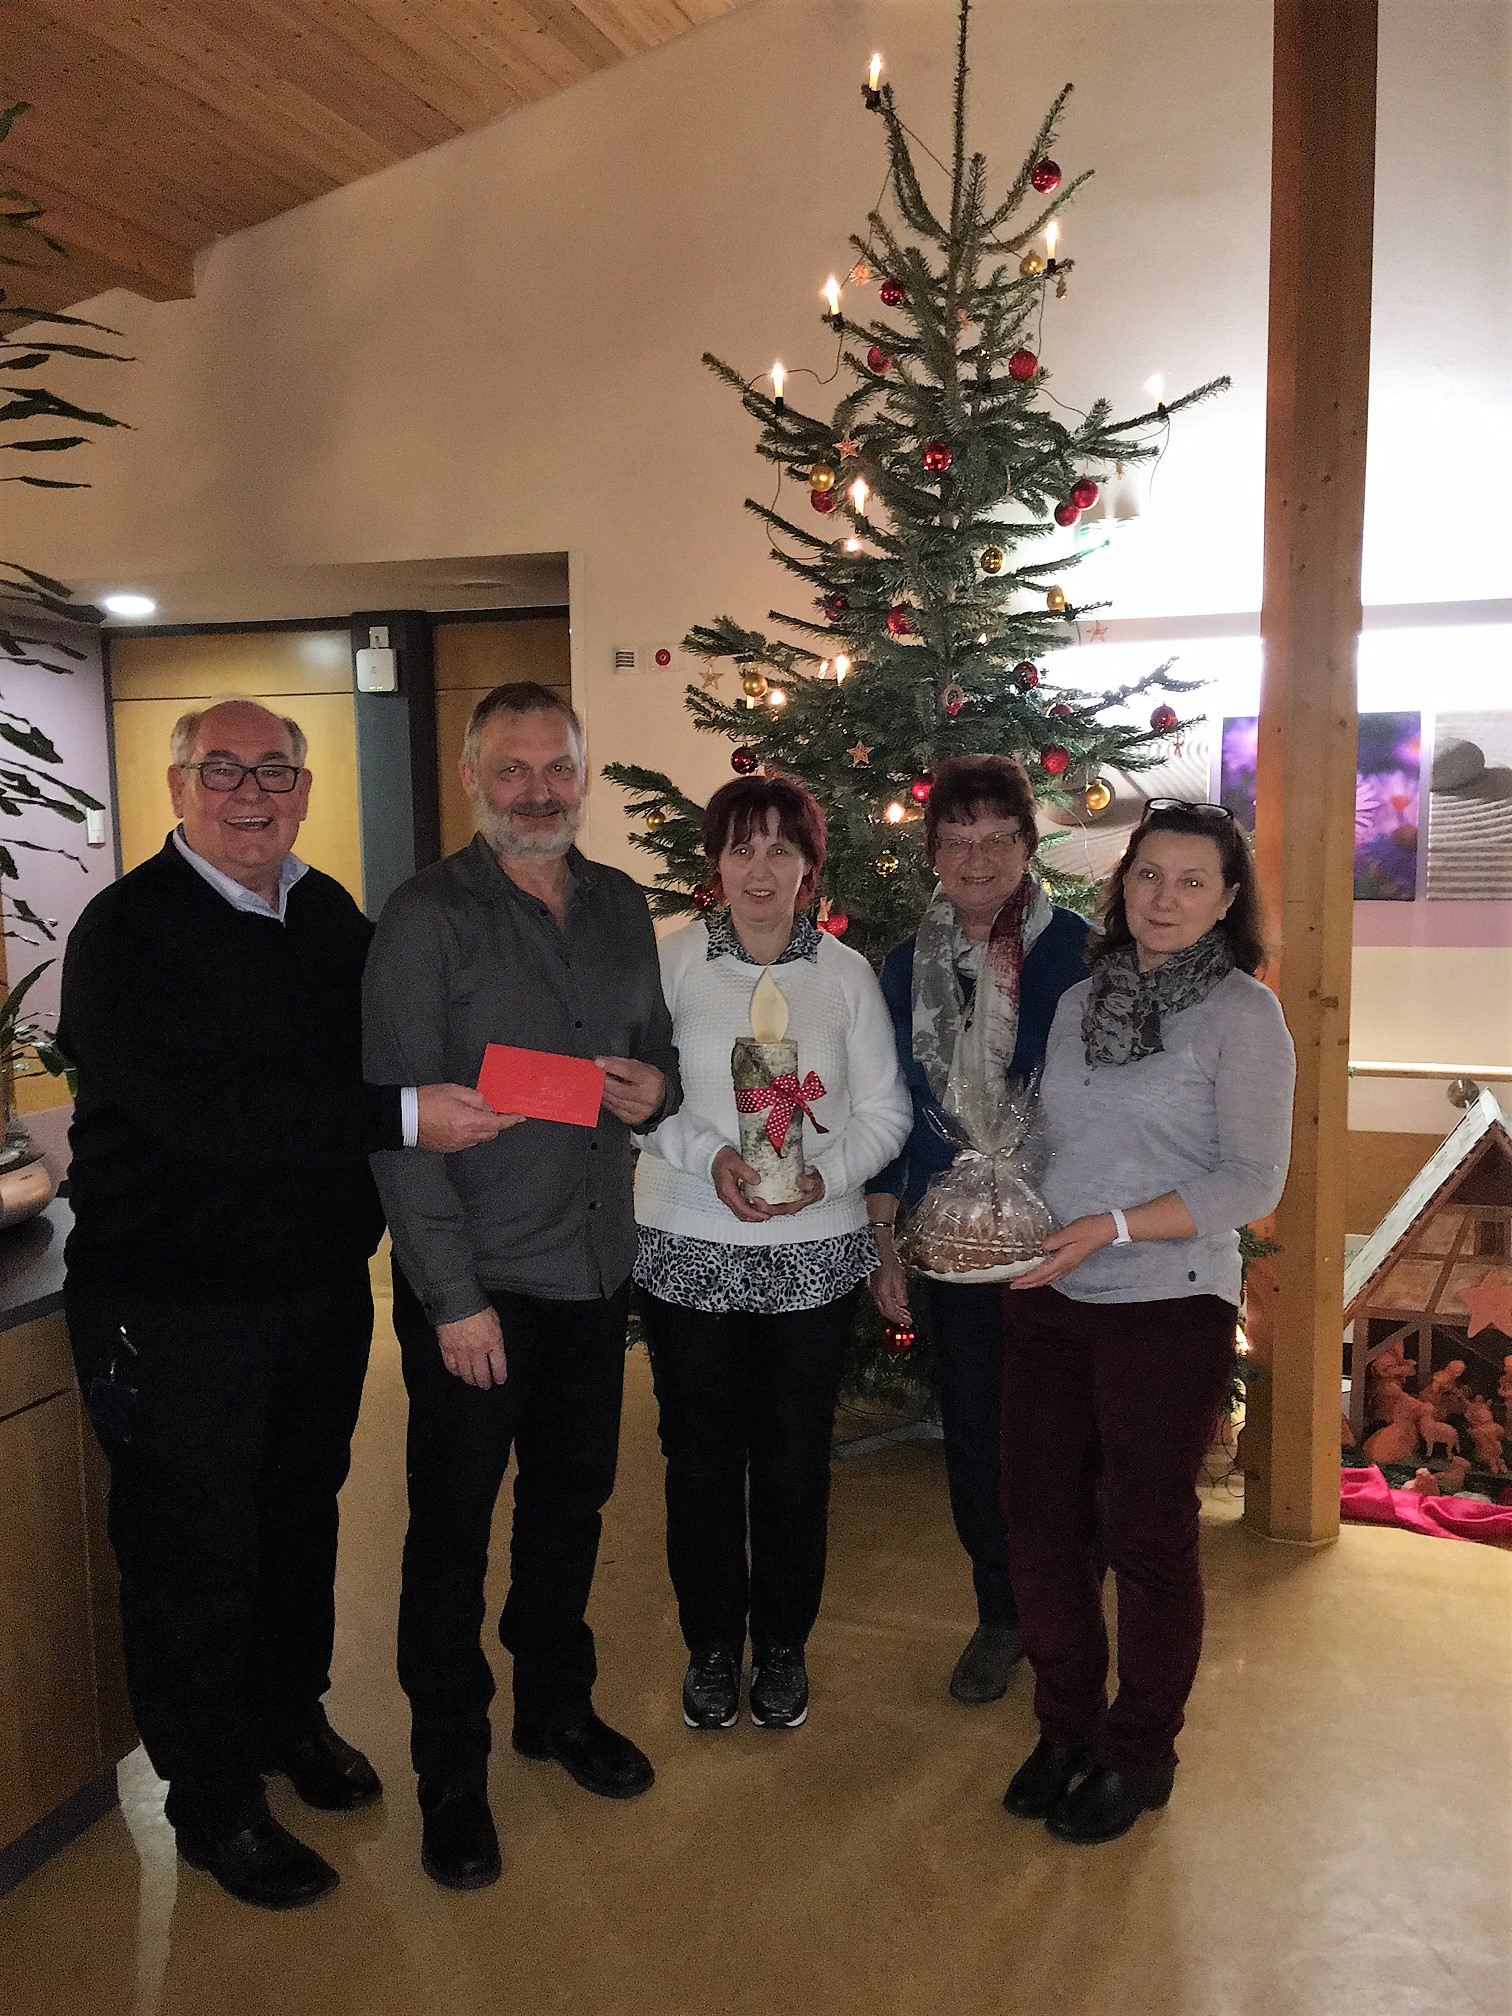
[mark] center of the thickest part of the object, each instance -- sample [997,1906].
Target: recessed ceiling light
[128,605]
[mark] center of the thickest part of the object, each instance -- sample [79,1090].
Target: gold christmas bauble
[754,685]
[992,560]
[1056,599]
[1030,264]
[822,476]
[1097,796]
[885,865]
[655,821]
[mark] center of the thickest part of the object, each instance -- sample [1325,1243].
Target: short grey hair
[181,741]
[521,696]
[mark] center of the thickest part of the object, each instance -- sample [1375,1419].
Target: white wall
[495,347]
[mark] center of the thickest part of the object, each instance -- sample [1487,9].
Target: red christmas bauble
[899,622]
[1084,493]
[1055,761]
[837,923]
[1026,674]
[703,897]
[823,501]
[878,361]
[920,788]
[743,762]
[892,294]
[898,1337]
[1045,175]
[1060,708]
[938,456]
[835,606]
[1164,719]
[1067,514]
[1022,365]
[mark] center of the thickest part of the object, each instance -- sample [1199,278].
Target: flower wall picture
[1387,790]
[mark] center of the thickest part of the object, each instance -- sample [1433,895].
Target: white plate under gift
[1008,1270]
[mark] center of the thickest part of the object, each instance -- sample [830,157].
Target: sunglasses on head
[1184,805]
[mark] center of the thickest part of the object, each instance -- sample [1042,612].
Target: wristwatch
[1122,1236]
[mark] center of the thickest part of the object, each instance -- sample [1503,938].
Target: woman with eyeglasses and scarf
[1166,1107]
[972,997]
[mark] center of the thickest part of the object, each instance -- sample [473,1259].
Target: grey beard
[498,830]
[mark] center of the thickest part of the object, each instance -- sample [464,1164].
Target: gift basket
[982,1219]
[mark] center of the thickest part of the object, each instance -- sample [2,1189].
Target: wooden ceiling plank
[79,278]
[252,81]
[459,94]
[577,30]
[119,239]
[502,31]
[337,69]
[85,85]
[493,84]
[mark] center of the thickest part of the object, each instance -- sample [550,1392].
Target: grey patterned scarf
[966,1050]
[1125,1009]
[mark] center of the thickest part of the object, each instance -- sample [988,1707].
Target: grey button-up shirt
[464,957]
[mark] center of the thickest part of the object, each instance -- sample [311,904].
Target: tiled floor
[1340,1843]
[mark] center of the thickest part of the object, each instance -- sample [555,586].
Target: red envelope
[542,1085]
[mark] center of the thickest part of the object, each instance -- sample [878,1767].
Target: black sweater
[222,1127]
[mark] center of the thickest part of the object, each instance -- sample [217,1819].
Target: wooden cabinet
[64,1720]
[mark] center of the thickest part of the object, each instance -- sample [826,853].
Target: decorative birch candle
[770,1099]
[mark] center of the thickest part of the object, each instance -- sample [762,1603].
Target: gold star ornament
[710,677]
[860,755]
[848,449]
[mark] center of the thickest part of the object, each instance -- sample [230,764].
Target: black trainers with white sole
[779,1689]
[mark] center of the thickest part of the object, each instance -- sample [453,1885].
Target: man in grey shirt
[512,1262]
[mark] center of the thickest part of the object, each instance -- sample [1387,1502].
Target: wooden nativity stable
[1436,1274]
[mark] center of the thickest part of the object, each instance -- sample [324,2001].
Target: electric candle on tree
[770,1099]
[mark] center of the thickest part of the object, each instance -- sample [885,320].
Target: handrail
[1496,1073]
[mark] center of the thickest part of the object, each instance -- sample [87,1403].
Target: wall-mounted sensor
[94,829]
[377,671]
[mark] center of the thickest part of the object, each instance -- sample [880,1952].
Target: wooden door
[472,656]
[305,674]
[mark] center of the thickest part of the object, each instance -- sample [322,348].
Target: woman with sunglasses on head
[1166,1109]
[972,997]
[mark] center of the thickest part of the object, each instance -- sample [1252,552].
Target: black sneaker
[779,1689]
[711,1691]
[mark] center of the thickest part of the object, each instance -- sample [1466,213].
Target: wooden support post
[1322,210]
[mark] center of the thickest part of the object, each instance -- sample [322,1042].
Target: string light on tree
[842,666]
[776,698]
[779,380]
[870,90]
[1052,244]
[860,490]
[829,293]
[895,813]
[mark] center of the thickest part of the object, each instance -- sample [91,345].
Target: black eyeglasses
[219,773]
[1185,805]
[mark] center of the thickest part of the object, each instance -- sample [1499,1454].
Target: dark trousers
[747,1408]
[966,1325]
[228,1431]
[1107,1411]
[559,1410]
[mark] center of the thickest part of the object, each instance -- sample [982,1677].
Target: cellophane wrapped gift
[982,1219]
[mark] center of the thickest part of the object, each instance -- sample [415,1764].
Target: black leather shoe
[326,1771]
[259,1863]
[459,1844]
[986,1665]
[598,1757]
[1106,1804]
[779,1688]
[1045,1777]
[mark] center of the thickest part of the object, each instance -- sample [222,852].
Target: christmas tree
[940,492]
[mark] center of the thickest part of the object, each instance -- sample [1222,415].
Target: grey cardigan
[1209,1117]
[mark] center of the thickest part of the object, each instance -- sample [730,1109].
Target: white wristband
[1122,1236]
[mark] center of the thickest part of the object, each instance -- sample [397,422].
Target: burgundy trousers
[1108,1409]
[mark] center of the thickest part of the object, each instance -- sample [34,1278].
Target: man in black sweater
[217,1292]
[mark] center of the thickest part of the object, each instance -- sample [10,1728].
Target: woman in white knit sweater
[747,1306]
